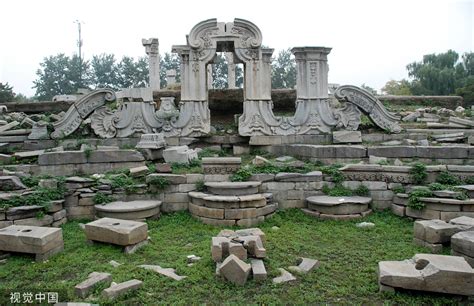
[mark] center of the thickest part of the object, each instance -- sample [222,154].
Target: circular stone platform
[133,210]
[233,188]
[327,207]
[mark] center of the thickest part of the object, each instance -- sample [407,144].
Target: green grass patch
[347,275]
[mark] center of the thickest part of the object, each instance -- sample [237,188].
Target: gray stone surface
[42,241]
[8,183]
[168,272]
[258,270]
[338,205]
[463,242]
[428,272]
[346,137]
[284,277]
[179,154]
[132,210]
[466,223]
[434,231]
[235,270]
[304,266]
[118,289]
[233,188]
[95,278]
[116,231]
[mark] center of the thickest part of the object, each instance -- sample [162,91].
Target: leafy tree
[132,73]
[220,72]
[60,74]
[369,89]
[167,62]
[22,98]
[6,93]
[284,70]
[105,71]
[239,76]
[397,88]
[440,74]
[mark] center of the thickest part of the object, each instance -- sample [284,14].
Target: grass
[347,275]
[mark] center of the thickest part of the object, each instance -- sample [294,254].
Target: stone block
[237,249]
[305,265]
[284,204]
[216,177]
[95,278]
[235,270]
[4,224]
[186,187]
[59,223]
[398,210]
[22,212]
[253,245]
[284,277]
[176,197]
[217,222]
[45,220]
[283,186]
[443,152]
[241,213]
[435,248]
[427,214]
[168,272]
[116,231]
[465,223]
[463,242]
[429,272]
[214,213]
[179,154]
[384,195]
[258,270]
[448,215]
[219,248]
[87,201]
[121,288]
[268,209]
[240,150]
[193,178]
[434,231]
[42,241]
[346,137]
[393,151]
[139,171]
[8,183]
[55,206]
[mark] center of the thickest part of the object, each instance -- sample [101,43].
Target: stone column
[151,49]
[313,113]
[170,77]
[209,76]
[230,70]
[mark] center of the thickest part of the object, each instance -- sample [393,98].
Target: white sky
[372,41]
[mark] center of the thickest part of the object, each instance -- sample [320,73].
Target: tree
[167,62]
[60,74]
[6,93]
[369,89]
[105,71]
[132,73]
[440,74]
[284,70]
[220,72]
[397,88]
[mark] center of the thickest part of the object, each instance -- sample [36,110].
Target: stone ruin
[241,41]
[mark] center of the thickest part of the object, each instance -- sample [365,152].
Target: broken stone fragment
[193,258]
[235,270]
[251,232]
[118,289]
[253,245]
[284,277]
[83,289]
[305,265]
[219,248]
[237,249]
[169,272]
[429,272]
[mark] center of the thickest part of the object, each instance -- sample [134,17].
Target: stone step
[233,188]
[228,201]
[339,205]
[133,210]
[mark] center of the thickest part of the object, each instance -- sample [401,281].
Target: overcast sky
[372,41]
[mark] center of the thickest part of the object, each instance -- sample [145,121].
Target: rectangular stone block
[114,291]
[423,214]
[193,178]
[250,222]
[443,152]
[393,151]
[186,187]
[398,210]
[175,206]
[283,186]
[258,270]
[385,195]
[240,213]
[4,224]
[116,231]
[174,179]
[88,201]
[206,212]
[448,215]
[216,177]
[76,212]
[176,197]
[30,239]
[46,220]
[95,278]
[55,206]
[295,195]
[284,204]
[22,212]
[59,215]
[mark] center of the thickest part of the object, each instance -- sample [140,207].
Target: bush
[362,191]
[418,173]
[102,198]
[243,174]
[414,198]
[158,181]
[447,178]
[200,186]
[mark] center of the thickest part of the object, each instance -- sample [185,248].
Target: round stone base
[133,210]
[220,210]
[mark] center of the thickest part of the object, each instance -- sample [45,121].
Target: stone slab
[116,231]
